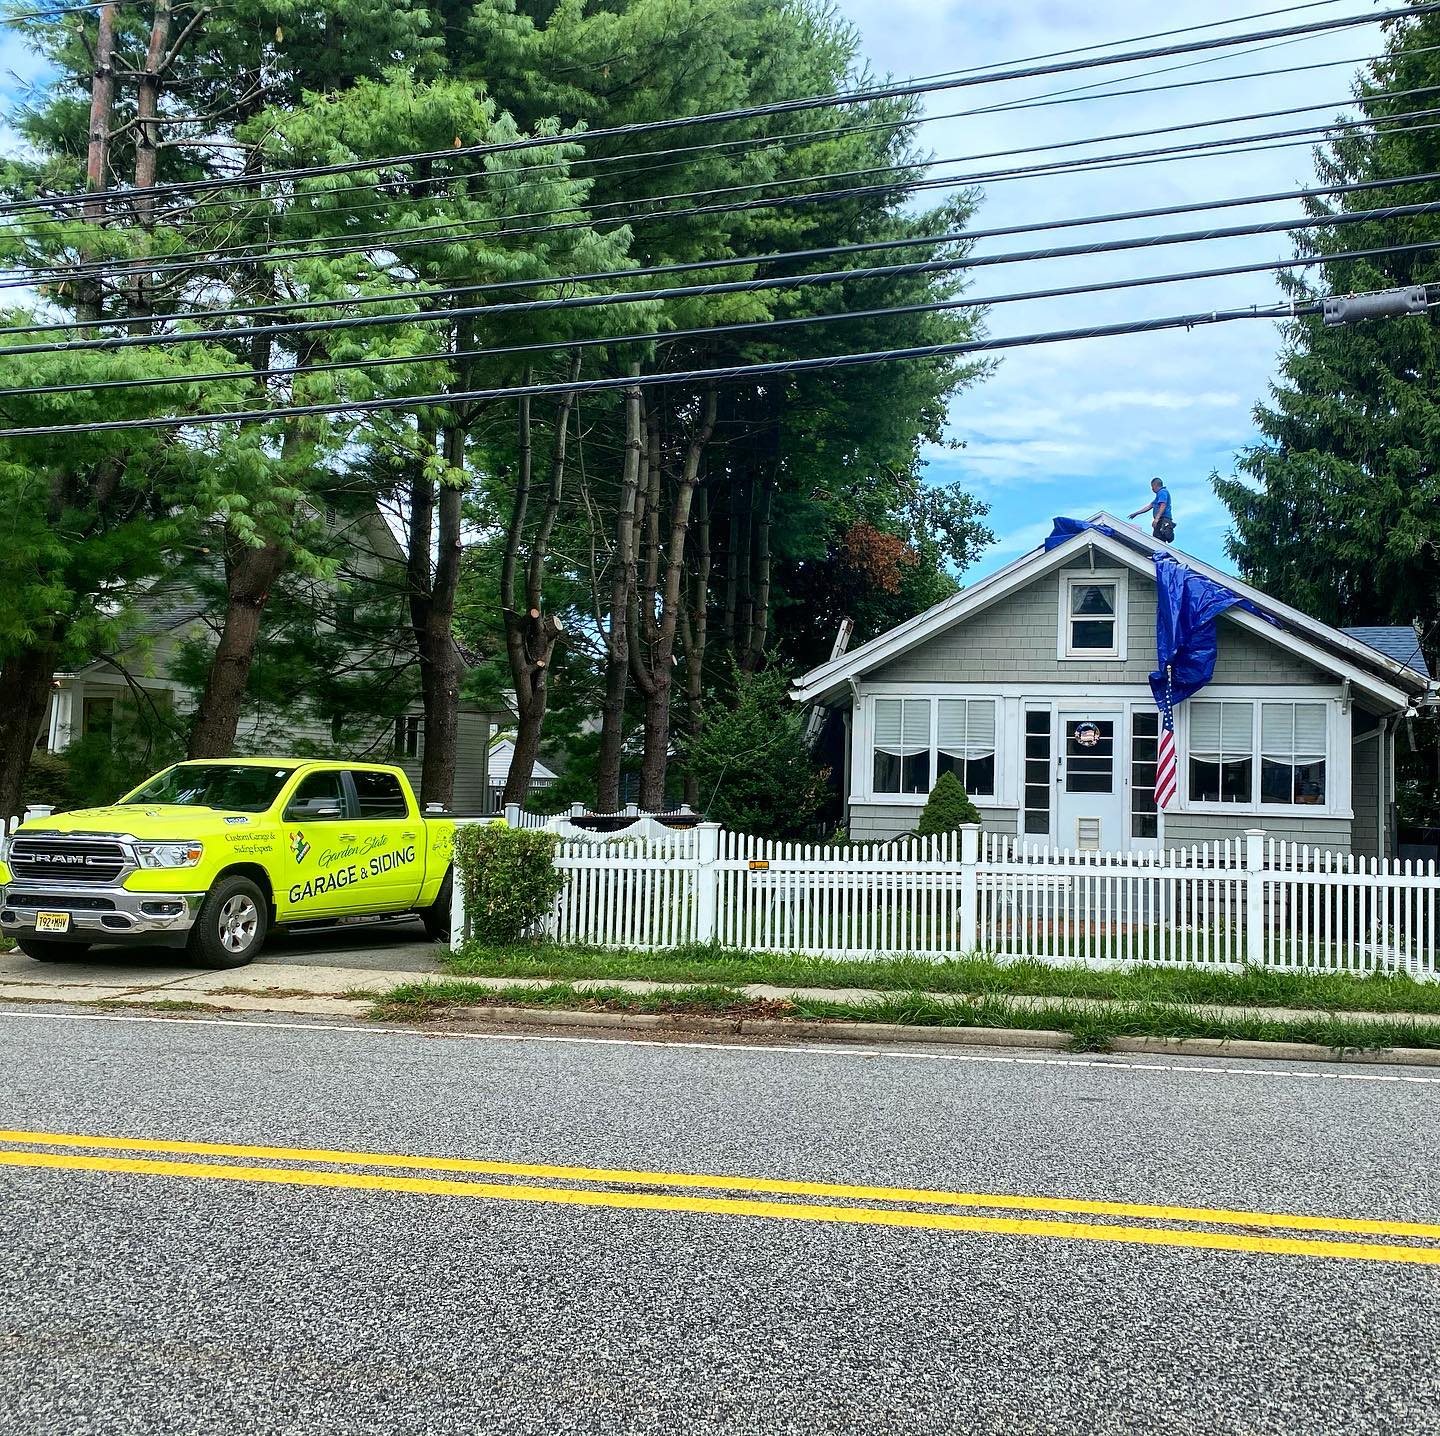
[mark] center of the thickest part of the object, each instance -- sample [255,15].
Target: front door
[1091,807]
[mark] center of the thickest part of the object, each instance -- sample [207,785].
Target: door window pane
[1037,771]
[1144,751]
[320,797]
[1089,755]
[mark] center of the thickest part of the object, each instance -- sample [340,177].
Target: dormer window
[1092,615]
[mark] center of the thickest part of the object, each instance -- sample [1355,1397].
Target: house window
[902,745]
[1292,753]
[1092,615]
[409,733]
[1222,752]
[1037,771]
[98,715]
[1144,755]
[965,743]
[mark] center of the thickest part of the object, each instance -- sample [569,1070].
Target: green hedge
[508,876]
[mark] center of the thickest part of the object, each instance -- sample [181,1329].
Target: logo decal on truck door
[299,846]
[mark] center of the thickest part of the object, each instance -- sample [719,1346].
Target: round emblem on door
[1087,735]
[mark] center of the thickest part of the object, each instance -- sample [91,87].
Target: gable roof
[1398,641]
[1372,670]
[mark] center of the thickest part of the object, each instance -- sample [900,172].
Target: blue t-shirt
[1162,500]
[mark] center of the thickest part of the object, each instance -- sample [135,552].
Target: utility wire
[326,210]
[689,376]
[756,327]
[454,230]
[778,107]
[968,261]
[590,301]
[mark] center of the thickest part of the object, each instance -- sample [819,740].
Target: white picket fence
[1217,906]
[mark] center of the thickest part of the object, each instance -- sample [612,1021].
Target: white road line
[1260,1068]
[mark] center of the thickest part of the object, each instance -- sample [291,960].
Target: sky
[1073,428]
[1069,429]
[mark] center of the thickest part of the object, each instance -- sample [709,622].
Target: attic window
[1092,615]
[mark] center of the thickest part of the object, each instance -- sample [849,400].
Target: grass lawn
[974,976]
[1090,1029]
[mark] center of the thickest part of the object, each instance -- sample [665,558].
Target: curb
[880,1033]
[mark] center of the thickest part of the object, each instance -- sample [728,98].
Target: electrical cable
[697,291]
[968,261]
[689,376]
[458,230]
[708,331]
[777,107]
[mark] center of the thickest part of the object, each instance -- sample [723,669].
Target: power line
[904,166]
[690,376]
[747,328]
[456,230]
[746,285]
[696,291]
[777,107]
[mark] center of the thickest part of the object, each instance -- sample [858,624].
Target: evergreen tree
[946,809]
[1337,508]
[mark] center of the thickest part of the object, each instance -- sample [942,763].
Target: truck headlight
[169,855]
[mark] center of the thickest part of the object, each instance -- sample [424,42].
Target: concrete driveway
[362,957]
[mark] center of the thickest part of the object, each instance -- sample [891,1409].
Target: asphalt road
[275,1298]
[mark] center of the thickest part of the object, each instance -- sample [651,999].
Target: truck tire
[436,917]
[43,951]
[231,928]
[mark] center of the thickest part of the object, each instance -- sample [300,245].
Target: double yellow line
[1239,1231]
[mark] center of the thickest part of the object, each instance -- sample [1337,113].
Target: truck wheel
[43,951]
[436,917]
[231,927]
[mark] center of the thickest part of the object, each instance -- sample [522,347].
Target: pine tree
[946,809]
[1337,508]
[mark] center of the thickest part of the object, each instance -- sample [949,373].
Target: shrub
[947,807]
[508,876]
[47,782]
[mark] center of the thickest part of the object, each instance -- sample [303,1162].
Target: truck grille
[59,902]
[66,859]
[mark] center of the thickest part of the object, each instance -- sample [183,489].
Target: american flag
[1165,772]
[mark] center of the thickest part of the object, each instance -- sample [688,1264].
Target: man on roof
[1162,515]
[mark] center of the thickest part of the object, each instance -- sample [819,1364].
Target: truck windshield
[238,788]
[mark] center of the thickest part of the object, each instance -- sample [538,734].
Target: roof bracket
[1345,695]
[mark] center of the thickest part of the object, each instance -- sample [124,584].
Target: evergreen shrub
[947,808]
[508,876]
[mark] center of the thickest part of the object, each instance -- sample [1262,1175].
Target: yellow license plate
[52,922]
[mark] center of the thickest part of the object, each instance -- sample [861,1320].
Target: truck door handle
[346,837]
[407,835]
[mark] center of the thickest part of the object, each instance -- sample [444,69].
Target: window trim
[1120,650]
[933,698]
[1337,767]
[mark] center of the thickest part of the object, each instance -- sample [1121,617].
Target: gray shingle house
[1032,687]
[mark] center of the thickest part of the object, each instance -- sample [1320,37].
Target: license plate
[52,922]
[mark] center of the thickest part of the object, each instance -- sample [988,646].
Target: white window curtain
[1222,730]
[902,726]
[966,727]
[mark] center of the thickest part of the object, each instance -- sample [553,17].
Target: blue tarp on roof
[1186,607]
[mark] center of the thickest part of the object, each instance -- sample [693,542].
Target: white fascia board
[820,682]
[1362,652]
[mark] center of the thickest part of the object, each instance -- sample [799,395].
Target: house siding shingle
[1014,641]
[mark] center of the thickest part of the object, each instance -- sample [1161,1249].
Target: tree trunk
[97,151]
[147,146]
[658,682]
[251,573]
[26,682]
[760,611]
[694,628]
[617,648]
[432,615]
[531,636]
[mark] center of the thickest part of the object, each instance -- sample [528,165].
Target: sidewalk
[320,987]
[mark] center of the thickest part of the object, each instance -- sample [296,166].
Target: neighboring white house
[1032,686]
[174,612]
[502,753]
